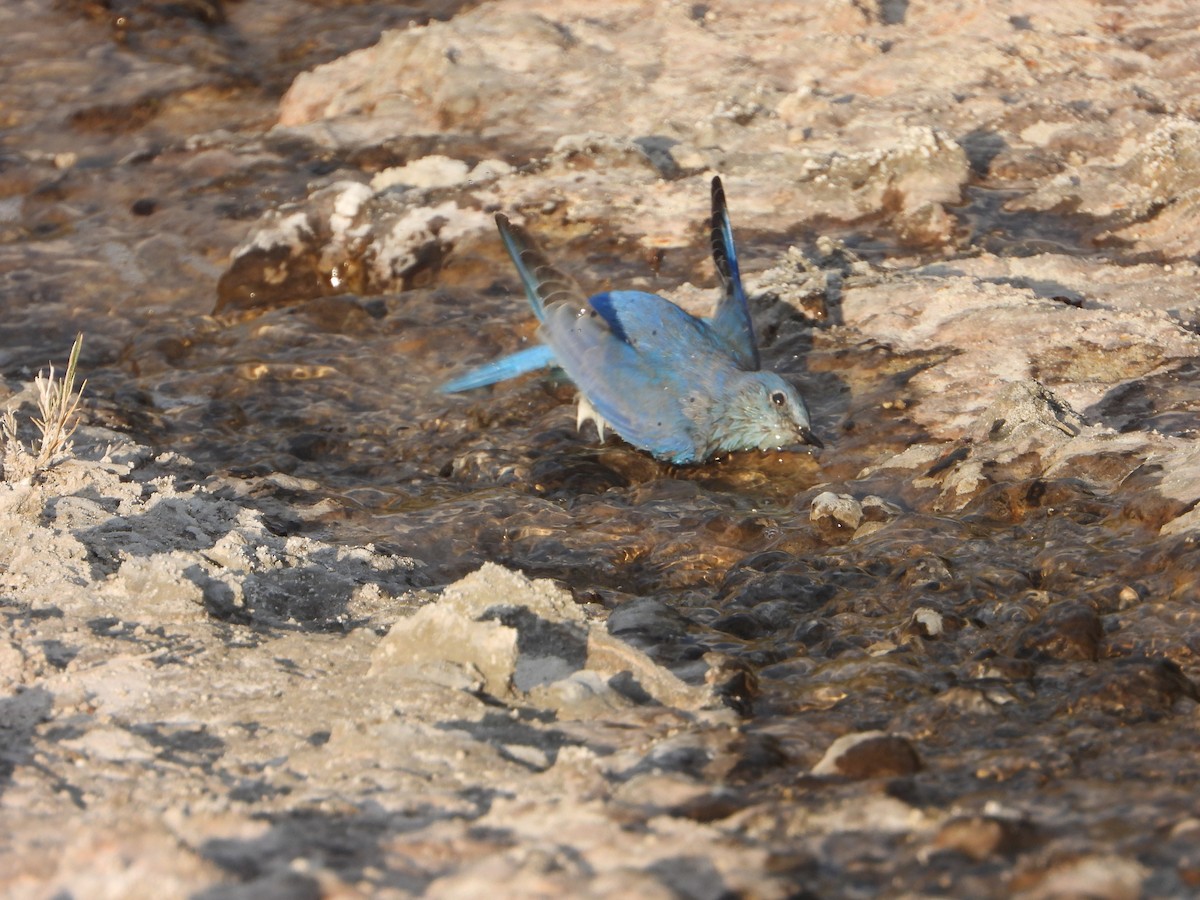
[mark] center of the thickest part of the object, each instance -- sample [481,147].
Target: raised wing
[544,282]
[731,321]
[499,369]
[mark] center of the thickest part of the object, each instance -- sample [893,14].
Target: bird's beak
[807,437]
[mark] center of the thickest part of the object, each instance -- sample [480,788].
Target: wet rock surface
[292,623]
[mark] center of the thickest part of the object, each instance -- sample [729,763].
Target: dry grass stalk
[58,406]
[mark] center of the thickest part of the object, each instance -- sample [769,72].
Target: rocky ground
[956,654]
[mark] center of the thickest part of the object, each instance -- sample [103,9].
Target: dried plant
[58,406]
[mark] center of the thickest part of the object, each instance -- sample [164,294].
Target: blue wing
[731,321]
[499,369]
[638,359]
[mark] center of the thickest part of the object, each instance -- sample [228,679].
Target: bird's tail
[500,369]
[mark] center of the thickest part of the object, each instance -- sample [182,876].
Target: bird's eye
[778,398]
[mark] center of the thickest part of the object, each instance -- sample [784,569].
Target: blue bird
[682,388]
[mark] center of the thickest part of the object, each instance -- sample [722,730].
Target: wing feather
[639,385]
[544,282]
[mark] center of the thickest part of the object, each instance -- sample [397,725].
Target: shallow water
[1033,584]
[126,243]
[339,391]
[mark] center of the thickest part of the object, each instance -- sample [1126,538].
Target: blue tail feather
[500,369]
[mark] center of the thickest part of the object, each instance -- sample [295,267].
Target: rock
[1065,631]
[1136,690]
[933,624]
[478,621]
[1016,336]
[351,238]
[530,642]
[836,511]
[437,171]
[472,74]
[869,754]
[12,666]
[1102,877]
[1026,412]
[984,836]
[179,555]
[1179,465]
[1155,188]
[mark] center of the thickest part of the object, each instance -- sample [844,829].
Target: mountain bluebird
[682,388]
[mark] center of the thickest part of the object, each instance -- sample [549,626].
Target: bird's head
[767,413]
